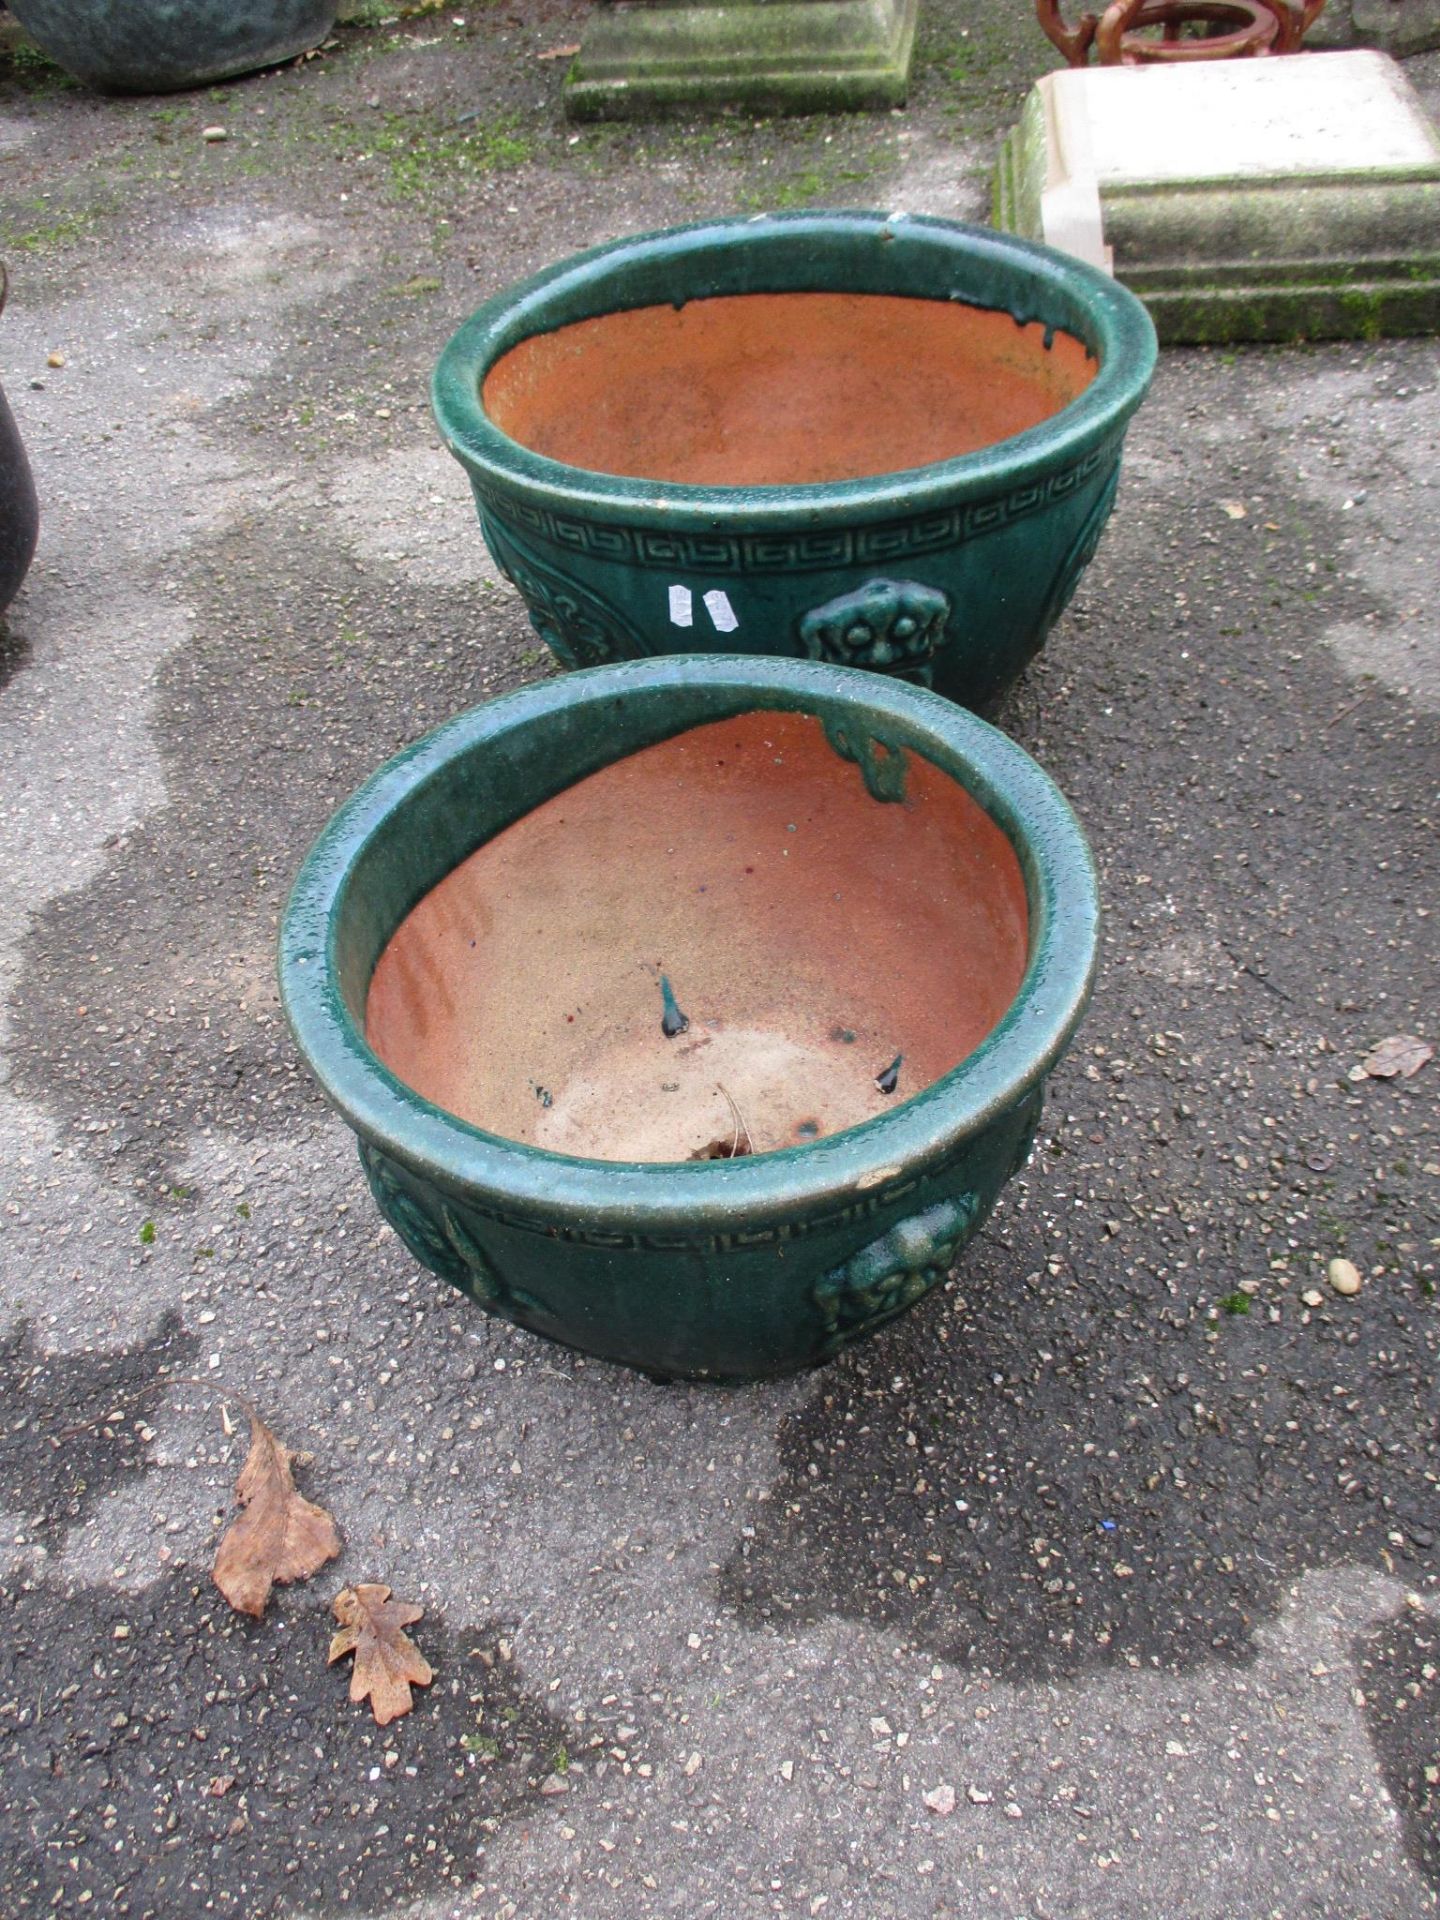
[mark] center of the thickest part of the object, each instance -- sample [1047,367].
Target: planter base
[1249,200]
[165,46]
[650,57]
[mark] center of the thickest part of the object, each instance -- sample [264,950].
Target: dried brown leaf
[280,1536]
[1397,1057]
[387,1661]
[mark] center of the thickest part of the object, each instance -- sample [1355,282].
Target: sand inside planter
[782,389]
[808,933]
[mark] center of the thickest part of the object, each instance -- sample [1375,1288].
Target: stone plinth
[1249,200]
[649,57]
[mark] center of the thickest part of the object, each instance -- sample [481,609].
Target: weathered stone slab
[646,57]
[1244,200]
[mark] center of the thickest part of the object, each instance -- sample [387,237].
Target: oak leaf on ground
[387,1661]
[1396,1058]
[279,1537]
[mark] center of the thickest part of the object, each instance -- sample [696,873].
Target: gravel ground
[1104,1583]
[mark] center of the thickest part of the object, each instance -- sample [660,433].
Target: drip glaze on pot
[782,389]
[718,944]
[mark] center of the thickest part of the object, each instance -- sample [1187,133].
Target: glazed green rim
[802,252]
[927,1129]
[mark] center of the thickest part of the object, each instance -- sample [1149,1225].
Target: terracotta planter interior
[782,389]
[807,932]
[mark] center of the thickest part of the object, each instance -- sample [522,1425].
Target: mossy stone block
[643,58]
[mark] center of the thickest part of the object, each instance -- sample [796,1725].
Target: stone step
[1242,200]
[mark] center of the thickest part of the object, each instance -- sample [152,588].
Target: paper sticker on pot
[716,603]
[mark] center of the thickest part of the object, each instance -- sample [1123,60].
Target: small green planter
[728,1268]
[161,46]
[949,570]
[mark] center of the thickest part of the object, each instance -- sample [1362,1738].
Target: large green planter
[661,464]
[716,1268]
[159,46]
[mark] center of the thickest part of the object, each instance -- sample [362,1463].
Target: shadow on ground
[14,650]
[1037,1477]
[75,1424]
[108,1699]
[305,678]
[1399,1668]
[1126,1428]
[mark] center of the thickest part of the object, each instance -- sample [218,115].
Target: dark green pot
[19,507]
[950,573]
[722,1269]
[160,46]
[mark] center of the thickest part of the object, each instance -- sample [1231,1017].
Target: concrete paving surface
[1103,1584]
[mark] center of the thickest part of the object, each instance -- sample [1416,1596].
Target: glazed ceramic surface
[694,1012]
[883,442]
[157,46]
[19,508]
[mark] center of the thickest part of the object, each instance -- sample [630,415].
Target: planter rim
[923,1130]
[1123,343]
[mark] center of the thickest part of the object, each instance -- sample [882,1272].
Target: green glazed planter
[160,46]
[19,507]
[949,571]
[719,1269]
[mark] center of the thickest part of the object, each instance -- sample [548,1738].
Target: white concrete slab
[1244,199]
[1298,118]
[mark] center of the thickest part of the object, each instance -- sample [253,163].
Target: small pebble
[54,359]
[940,1799]
[1313,1297]
[1344,1276]
[212,134]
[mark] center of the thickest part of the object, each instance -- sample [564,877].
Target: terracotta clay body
[809,932]
[785,389]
